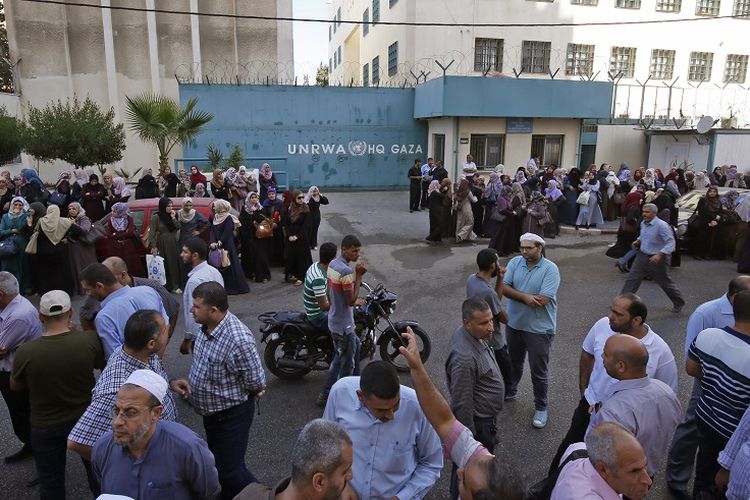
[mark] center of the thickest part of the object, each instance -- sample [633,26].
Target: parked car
[142,210]
[688,203]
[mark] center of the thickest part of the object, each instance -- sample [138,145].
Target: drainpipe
[458,142]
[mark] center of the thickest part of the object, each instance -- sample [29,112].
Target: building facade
[61,51]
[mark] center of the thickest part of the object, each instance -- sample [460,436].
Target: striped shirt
[736,459]
[316,285]
[724,356]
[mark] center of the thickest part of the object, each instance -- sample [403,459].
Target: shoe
[21,454]
[540,419]
[679,494]
[621,267]
[678,309]
[322,400]
[577,227]
[32,482]
[411,211]
[510,396]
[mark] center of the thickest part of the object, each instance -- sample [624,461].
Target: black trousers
[415,192]
[18,408]
[577,431]
[423,198]
[486,433]
[710,444]
[502,356]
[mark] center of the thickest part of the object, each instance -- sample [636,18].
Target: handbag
[214,258]
[31,245]
[264,229]
[58,198]
[583,198]
[498,216]
[156,269]
[225,262]
[8,248]
[94,234]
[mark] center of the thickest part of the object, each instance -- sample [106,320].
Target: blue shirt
[19,324]
[715,313]
[541,279]
[736,459]
[400,458]
[656,236]
[117,309]
[176,464]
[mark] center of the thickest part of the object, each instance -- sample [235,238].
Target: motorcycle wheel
[274,350]
[389,348]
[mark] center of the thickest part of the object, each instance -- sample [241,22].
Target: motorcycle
[295,347]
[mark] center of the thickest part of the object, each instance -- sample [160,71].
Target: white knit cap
[151,381]
[532,237]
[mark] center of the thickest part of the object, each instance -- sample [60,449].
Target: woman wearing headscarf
[555,198]
[504,223]
[17,184]
[196,177]
[123,241]
[536,215]
[273,207]
[251,183]
[296,224]
[200,191]
[493,189]
[13,226]
[62,196]
[109,189]
[184,188]
[435,200]
[464,215]
[168,183]
[743,212]
[192,223]
[163,231]
[717,177]
[122,192]
[255,251]
[631,207]
[689,181]
[702,180]
[6,195]
[665,203]
[81,252]
[448,222]
[238,188]
[147,186]
[590,214]
[672,187]
[571,189]
[706,228]
[266,179]
[314,200]
[51,264]
[223,228]
[734,179]
[81,178]
[32,187]
[93,196]
[219,187]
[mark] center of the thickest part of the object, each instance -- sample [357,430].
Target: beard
[139,433]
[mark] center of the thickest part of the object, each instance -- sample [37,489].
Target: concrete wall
[732,149]
[685,152]
[617,144]
[328,136]
[109,54]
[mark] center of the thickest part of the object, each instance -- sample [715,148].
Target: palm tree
[159,119]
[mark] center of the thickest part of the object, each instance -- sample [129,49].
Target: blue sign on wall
[356,138]
[519,125]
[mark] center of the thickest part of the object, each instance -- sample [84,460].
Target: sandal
[297,283]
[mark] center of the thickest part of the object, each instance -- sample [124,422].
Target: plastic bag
[156,269]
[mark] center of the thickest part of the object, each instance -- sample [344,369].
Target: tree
[214,157]
[160,120]
[78,133]
[10,142]
[236,158]
[321,76]
[6,71]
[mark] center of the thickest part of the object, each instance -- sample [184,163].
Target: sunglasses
[300,197]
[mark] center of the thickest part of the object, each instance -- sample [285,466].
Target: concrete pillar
[109,58]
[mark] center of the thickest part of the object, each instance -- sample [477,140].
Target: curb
[587,232]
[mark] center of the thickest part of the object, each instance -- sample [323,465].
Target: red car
[142,210]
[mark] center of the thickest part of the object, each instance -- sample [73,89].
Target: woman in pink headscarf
[122,240]
[267,179]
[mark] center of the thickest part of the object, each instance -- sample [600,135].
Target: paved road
[430,283]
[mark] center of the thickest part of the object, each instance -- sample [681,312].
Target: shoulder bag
[583,198]
[8,248]
[31,245]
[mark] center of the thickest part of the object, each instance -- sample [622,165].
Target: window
[334,25]
[330,66]
[536,56]
[375,11]
[391,3]
[662,64]
[628,4]
[735,70]
[393,59]
[338,16]
[584,2]
[365,22]
[622,59]
[707,7]
[376,70]
[741,8]
[488,54]
[366,75]
[579,60]
[330,35]
[339,54]
[549,147]
[438,147]
[335,60]
[668,5]
[487,150]
[699,68]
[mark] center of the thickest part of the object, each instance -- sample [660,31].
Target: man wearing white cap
[145,457]
[57,369]
[531,283]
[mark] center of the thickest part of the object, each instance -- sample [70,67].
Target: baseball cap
[54,303]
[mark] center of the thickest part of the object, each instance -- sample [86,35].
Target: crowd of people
[48,236]
[502,206]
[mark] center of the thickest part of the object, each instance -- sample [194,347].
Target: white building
[60,51]
[663,70]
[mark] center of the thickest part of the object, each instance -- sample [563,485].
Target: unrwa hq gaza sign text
[354,148]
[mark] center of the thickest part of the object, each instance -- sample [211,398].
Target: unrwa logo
[357,148]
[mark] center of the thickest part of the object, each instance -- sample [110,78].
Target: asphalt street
[430,283]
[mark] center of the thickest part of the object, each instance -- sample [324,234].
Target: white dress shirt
[201,273]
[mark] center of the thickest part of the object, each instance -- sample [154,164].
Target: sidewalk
[609,227]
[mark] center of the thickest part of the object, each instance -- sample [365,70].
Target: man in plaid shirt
[225,378]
